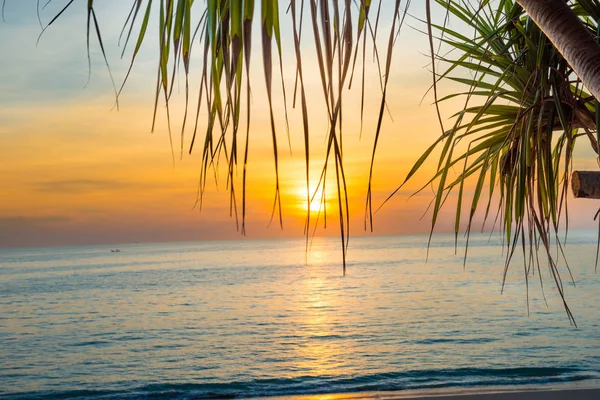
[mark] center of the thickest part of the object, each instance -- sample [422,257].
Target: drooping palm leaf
[225,32]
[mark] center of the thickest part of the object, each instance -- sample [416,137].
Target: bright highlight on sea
[255,318]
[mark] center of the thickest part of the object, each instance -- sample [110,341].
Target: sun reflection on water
[317,306]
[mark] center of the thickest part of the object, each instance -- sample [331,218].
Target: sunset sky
[73,170]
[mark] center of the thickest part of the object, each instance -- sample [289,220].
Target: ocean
[251,318]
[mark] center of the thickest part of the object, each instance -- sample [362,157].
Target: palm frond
[522,112]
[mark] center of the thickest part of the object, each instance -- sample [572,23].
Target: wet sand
[529,393]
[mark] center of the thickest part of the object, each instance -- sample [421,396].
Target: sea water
[237,319]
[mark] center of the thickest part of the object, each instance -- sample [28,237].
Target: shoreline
[567,391]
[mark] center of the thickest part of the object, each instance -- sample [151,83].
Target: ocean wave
[391,381]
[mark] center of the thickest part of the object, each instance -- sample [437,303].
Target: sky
[74,170]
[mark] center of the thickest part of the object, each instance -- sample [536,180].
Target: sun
[319,200]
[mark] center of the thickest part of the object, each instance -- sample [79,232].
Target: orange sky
[74,171]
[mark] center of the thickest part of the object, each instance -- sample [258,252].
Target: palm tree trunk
[556,19]
[586,184]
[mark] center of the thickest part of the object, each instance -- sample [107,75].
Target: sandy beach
[531,393]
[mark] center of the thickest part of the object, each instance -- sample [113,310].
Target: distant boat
[115,250]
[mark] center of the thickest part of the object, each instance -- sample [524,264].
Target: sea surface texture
[254,318]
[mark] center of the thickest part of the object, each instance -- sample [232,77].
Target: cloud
[18,231]
[92,185]
[21,230]
[21,221]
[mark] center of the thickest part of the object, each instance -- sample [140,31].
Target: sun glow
[317,200]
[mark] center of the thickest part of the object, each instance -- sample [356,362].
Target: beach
[561,392]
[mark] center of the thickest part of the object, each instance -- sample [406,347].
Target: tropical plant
[578,45]
[524,104]
[524,108]
[224,31]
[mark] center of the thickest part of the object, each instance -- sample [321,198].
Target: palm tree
[524,109]
[560,24]
[525,97]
